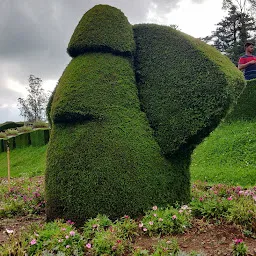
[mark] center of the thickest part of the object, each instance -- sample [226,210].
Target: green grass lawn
[28,161]
[227,156]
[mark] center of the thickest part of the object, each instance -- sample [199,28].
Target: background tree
[235,29]
[33,107]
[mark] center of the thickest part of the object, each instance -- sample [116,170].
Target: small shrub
[244,213]
[3,135]
[11,132]
[109,243]
[166,221]
[24,129]
[126,228]
[40,124]
[239,248]
[98,224]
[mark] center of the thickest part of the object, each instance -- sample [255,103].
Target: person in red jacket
[247,63]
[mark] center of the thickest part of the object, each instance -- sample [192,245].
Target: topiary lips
[124,123]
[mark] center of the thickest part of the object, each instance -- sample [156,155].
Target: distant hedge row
[35,138]
[10,125]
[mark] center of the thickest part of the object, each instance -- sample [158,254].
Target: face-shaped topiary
[125,121]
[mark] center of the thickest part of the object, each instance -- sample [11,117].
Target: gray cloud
[34,35]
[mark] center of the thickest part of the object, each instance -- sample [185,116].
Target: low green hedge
[103,28]
[39,137]
[185,86]
[22,140]
[1,145]
[245,107]
[11,142]
[102,157]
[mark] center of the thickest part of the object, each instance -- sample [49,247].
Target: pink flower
[60,240]
[230,198]
[254,198]
[63,229]
[141,225]
[33,242]
[154,208]
[160,219]
[72,233]
[95,225]
[201,199]
[151,223]
[67,246]
[89,246]
[126,216]
[180,211]
[119,241]
[67,237]
[145,229]
[174,217]
[238,241]
[70,222]
[154,215]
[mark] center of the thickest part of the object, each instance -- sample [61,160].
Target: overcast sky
[34,35]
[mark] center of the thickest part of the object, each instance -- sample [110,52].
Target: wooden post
[9,166]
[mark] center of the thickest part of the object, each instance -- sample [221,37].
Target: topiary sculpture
[127,113]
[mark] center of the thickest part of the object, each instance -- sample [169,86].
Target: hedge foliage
[1,145]
[103,156]
[245,107]
[10,125]
[22,140]
[103,28]
[39,137]
[104,159]
[185,86]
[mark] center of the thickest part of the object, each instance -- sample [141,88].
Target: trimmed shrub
[10,125]
[22,140]
[102,157]
[185,86]
[11,142]
[24,129]
[48,107]
[39,137]
[103,28]
[40,124]
[3,135]
[245,107]
[11,132]
[1,145]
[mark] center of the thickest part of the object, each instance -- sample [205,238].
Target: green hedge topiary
[22,140]
[105,159]
[39,137]
[245,107]
[10,125]
[102,28]
[185,86]
[103,156]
